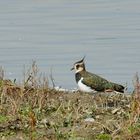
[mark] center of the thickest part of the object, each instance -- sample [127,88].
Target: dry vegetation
[33,111]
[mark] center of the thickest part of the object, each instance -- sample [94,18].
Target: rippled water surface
[56,33]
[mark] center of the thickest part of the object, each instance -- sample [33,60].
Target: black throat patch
[77,77]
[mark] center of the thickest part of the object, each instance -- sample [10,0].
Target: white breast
[83,87]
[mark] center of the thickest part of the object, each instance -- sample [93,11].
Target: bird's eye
[77,66]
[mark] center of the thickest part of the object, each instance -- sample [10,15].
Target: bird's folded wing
[95,82]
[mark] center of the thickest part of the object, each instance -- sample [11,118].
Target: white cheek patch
[79,69]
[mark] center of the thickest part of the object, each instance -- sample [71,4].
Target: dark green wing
[94,81]
[100,84]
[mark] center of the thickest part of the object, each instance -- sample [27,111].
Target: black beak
[72,69]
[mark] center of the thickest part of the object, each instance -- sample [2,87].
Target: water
[57,33]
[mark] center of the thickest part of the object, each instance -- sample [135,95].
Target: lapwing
[89,82]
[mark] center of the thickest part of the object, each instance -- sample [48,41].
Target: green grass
[3,118]
[104,137]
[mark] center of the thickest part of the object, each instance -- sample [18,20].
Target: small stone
[89,120]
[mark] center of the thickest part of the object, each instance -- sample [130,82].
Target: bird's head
[79,66]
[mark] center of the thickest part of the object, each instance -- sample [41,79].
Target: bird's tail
[118,87]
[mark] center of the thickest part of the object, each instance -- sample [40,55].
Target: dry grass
[33,111]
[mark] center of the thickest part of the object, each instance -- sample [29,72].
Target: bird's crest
[81,61]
